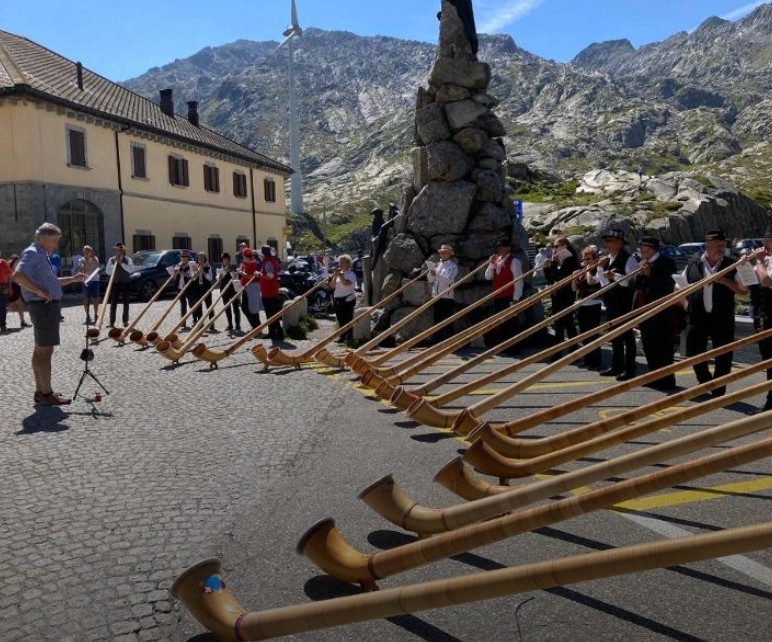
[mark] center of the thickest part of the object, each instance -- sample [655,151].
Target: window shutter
[77,148]
[185,178]
[172,170]
[216,176]
[138,154]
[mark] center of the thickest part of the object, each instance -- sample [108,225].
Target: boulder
[403,253]
[440,208]
[446,162]
[431,125]
[422,322]
[417,293]
[463,73]
[489,216]
[490,186]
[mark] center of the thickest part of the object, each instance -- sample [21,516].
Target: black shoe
[625,376]
[611,372]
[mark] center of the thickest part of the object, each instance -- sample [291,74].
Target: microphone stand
[86,355]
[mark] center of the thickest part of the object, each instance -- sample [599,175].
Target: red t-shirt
[5,272]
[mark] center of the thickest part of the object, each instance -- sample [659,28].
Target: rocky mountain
[698,102]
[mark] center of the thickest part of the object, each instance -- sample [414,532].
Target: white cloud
[741,11]
[497,14]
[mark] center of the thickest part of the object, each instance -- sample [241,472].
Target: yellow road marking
[691,496]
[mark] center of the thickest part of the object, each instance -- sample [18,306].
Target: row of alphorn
[499,510]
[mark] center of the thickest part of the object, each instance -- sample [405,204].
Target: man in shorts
[42,291]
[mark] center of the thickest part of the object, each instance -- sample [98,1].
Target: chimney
[193,112]
[167,102]
[79,74]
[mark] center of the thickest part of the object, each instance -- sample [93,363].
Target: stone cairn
[457,195]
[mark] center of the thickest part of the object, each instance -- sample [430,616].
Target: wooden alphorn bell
[464,420]
[94,331]
[121,334]
[387,499]
[327,548]
[152,337]
[203,590]
[212,356]
[277,357]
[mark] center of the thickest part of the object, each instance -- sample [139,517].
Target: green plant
[296,332]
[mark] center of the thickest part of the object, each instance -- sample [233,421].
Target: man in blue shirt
[42,291]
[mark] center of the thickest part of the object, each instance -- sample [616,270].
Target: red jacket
[269,278]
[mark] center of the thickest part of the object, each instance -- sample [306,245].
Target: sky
[121,40]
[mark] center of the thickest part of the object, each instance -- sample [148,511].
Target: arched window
[82,224]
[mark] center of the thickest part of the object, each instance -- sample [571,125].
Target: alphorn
[93,332]
[166,349]
[402,398]
[120,334]
[318,351]
[517,426]
[203,590]
[421,336]
[325,546]
[171,337]
[371,367]
[214,356]
[387,499]
[152,335]
[463,421]
[410,367]
[485,458]
[526,448]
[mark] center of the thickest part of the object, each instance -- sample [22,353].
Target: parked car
[150,272]
[673,252]
[690,249]
[748,244]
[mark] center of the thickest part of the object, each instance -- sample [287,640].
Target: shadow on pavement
[44,419]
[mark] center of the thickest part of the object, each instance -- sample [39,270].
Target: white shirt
[444,276]
[343,291]
[631,265]
[707,289]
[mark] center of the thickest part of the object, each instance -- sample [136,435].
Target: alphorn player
[442,275]
[654,281]
[711,309]
[251,300]
[225,275]
[589,313]
[123,266]
[269,291]
[504,268]
[203,277]
[562,263]
[619,301]
[184,271]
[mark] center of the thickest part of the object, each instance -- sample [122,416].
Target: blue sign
[518,210]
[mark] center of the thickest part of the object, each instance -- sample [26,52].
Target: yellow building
[106,164]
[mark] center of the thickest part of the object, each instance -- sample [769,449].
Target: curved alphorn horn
[166,349]
[525,448]
[203,590]
[464,420]
[536,418]
[327,548]
[120,334]
[410,367]
[214,356]
[459,478]
[387,499]
[152,335]
[278,357]
[487,460]
[93,332]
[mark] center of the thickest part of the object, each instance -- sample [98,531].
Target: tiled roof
[28,68]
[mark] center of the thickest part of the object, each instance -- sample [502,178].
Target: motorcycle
[298,281]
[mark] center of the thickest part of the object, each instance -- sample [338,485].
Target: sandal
[52,399]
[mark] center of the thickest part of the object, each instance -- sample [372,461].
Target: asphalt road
[103,504]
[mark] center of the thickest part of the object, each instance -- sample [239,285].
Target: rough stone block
[441,208]
[446,162]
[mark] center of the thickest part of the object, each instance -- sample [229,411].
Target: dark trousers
[198,294]
[344,313]
[272,306]
[720,332]
[588,317]
[505,330]
[656,337]
[3,308]
[253,319]
[121,291]
[565,326]
[232,309]
[443,309]
[623,349]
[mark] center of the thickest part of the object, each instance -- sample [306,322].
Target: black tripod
[85,356]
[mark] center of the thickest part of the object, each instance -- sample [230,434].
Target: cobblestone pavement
[103,504]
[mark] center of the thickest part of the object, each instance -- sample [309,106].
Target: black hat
[377,212]
[120,245]
[649,241]
[715,235]
[225,255]
[504,242]
[613,233]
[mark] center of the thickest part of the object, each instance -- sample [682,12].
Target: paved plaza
[104,503]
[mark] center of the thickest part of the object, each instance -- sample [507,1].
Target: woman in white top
[344,281]
[442,277]
[89,263]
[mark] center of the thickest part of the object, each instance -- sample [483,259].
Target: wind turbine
[296,180]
